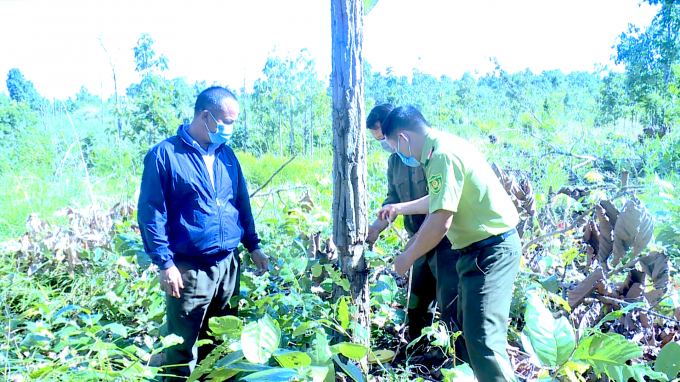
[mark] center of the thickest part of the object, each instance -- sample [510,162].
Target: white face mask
[386,147]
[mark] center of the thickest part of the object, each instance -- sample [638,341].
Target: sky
[56,43]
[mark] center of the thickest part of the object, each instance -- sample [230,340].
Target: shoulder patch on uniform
[435,183]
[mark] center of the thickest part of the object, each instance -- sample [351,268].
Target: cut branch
[272,177]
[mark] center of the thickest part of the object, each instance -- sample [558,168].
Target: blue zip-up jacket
[181,215]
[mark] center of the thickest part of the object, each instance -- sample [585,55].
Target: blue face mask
[411,161]
[223,133]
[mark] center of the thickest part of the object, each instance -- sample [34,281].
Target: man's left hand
[402,263]
[261,262]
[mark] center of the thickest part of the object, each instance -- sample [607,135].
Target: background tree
[651,60]
[21,90]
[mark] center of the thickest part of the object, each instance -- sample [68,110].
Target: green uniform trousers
[208,287]
[486,282]
[474,291]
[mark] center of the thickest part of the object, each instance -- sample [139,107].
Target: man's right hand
[171,281]
[389,212]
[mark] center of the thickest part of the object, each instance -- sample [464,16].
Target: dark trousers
[206,294]
[474,291]
[435,278]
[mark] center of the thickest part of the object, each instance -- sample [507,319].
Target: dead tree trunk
[350,220]
[245,117]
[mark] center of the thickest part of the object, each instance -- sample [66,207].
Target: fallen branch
[272,177]
[640,308]
[268,193]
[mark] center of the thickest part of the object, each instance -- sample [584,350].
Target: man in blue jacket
[193,211]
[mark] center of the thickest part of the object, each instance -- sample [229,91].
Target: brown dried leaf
[634,277]
[311,249]
[306,203]
[610,210]
[644,233]
[657,266]
[331,249]
[592,235]
[633,227]
[578,293]
[589,318]
[530,199]
[606,233]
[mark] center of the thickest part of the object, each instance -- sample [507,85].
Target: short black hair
[377,114]
[404,118]
[211,99]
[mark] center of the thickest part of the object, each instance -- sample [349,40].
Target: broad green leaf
[90,319]
[260,339]
[169,341]
[273,375]
[292,359]
[350,369]
[229,326]
[248,367]
[229,359]
[219,375]
[301,329]
[608,353]
[350,350]
[668,360]
[117,328]
[318,373]
[343,313]
[320,352]
[41,372]
[317,269]
[368,5]
[552,340]
[462,373]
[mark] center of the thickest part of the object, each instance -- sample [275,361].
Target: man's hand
[373,233]
[171,281]
[389,212]
[403,262]
[260,261]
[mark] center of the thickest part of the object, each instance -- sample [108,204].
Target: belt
[493,240]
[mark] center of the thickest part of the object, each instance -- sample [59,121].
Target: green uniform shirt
[461,181]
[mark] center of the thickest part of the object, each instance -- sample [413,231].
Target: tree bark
[245,117]
[292,130]
[280,133]
[350,220]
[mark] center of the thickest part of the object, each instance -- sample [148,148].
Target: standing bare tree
[350,207]
[112,64]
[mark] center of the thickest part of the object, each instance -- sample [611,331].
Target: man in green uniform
[467,203]
[404,184]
